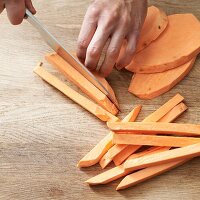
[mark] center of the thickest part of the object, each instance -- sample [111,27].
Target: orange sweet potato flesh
[186,152]
[147,173]
[154,140]
[129,149]
[149,86]
[155,116]
[169,117]
[128,153]
[178,44]
[89,105]
[155,23]
[155,128]
[93,157]
[119,171]
[113,151]
[80,81]
[105,83]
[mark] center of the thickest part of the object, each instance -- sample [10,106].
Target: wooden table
[43,134]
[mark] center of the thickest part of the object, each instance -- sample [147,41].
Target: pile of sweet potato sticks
[140,150]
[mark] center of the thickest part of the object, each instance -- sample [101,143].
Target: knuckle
[130,51]
[115,15]
[113,52]
[82,44]
[93,11]
[93,52]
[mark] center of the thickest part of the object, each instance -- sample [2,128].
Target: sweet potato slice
[178,44]
[147,173]
[154,140]
[80,81]
[104,145]
[155,23]
[187,152]
[169,117]
[93,108]
[155,128]
[149,86]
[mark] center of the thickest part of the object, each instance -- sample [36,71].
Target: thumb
[15,11]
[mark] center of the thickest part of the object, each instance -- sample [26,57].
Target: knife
[65,54]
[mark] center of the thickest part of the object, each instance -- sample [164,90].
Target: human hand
[16,9]
[113,21]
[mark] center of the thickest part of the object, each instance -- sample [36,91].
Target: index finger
[87,31]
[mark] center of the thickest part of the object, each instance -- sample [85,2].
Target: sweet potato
[149,86]
[163,110]
[178,44]
[174,113]
[155,128]
[107,158]
[186,152]
[169,117]
[80,81]
[147,173]
[117,172]
[93,108]
[104,145]
[153,140]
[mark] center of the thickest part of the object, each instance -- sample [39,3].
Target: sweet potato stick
[93,108]
[116,172]
[155,128]
[102,147]
[107,158]
[153,140]
[147,173]
[187,152]
[80,81]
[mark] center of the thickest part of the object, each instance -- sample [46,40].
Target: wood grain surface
[43,134]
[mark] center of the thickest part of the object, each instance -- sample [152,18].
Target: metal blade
[60,50]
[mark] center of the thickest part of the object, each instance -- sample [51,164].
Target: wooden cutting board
[43,134]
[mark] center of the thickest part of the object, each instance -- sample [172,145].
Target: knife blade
[65,54]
